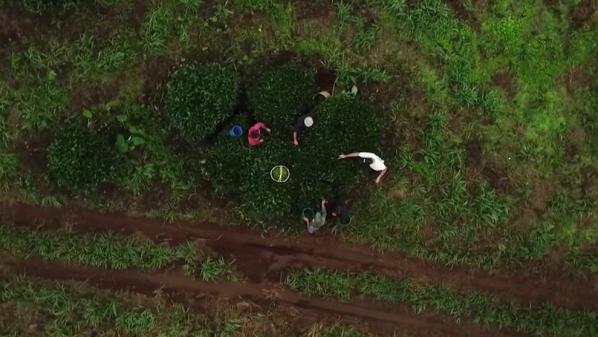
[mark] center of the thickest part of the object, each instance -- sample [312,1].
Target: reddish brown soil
[325,79]
[91,94]
[462,13]
[506,81]
[155,72]
[497,177]
[381,318]
[585,11]
[263,257]
[315,9]
[14,25]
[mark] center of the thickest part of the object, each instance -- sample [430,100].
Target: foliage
[343,124]
[70,311]
[228,163]
[81,158]
[279,94]
[109,251]
[320,330]
[542,319]
[198,98]
[8,169]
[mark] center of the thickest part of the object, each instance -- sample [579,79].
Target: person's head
[321,97]
[308,122]
[254,134]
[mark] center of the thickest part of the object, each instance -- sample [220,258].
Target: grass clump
[540,320]
[110,251]
[81,158]
[198,98]
[321,330]
[61,311]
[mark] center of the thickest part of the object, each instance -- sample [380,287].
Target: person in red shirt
[254,134]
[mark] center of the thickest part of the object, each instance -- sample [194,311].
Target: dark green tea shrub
[198,98]
[343,124]
[279,93]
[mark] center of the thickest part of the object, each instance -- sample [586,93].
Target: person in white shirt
[376,164]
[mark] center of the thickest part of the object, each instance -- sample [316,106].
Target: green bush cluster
[279,93]
[80,158]
[198,98]
[343,124]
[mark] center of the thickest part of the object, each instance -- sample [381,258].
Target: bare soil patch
[268,255]
[315,9]
[89,95]
[497,177]
[15,25]
[462,13]
[585,11]
[506,81]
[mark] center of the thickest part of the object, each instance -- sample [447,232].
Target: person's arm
[380,176]
[263,126]
[306,220]
[295,140]
[353,154]
[324,202]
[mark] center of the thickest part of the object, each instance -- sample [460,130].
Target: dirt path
[377,317]
[263,258]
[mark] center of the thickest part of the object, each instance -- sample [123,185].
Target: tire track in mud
[266,257]
[378,317]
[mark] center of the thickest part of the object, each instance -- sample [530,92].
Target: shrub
[262,197]
[79,158]
[200,98]
[279,93]
[227,165]
[343,124]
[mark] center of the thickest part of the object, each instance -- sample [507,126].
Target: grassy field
[488,109]
[536,320]
[111,251]
[34,308]
[489,129]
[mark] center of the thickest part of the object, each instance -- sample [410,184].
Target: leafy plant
[343,124]
[62,310]
[212,269]
[537,319]
[279,94]
[81,158]
[199,98]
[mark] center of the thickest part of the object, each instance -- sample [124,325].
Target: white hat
[308,121]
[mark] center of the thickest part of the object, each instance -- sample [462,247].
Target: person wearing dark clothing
[307,116]
[341,209]
[304,122]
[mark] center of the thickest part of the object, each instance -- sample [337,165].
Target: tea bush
[279,93]
[80,158]
[200,98]
[343,124]
[227,164]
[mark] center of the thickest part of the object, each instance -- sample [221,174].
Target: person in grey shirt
[318,221]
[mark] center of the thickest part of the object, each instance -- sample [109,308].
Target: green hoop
[280,174]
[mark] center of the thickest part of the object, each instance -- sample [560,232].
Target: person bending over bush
[376,163]
[254,134]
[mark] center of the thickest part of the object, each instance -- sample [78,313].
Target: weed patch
[110,251]
[545,320]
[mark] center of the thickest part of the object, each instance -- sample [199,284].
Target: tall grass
[110,251]
[539,320]
[62,311]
